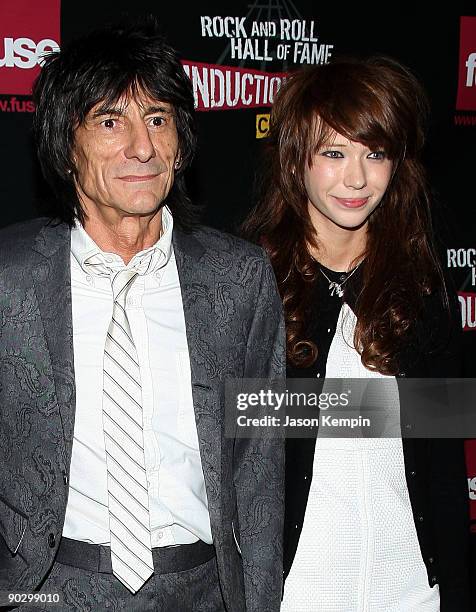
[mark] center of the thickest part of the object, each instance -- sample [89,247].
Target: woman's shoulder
[437,335]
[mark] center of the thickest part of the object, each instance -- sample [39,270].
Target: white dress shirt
[177,497]
[358,550]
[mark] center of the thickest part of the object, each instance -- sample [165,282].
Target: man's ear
[73,164]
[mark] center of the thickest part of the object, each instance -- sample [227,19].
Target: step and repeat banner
[236,55]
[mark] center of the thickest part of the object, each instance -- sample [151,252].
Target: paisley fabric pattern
[195,590]
[234,329]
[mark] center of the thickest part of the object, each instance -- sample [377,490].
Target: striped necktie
[129,520]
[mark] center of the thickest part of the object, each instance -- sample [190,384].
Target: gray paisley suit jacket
[234,329]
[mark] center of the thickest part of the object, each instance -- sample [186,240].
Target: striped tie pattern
[129,519]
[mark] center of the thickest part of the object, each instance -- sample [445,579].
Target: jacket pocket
[13,525]
[237,539]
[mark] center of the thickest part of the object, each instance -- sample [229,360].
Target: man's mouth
[137,178]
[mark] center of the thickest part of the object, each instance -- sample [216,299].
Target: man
[120,322]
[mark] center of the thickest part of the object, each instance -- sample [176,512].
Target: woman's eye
[377,155]
[332,154]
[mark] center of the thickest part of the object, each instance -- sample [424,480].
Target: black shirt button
[51,540]
[413,473]
[401,374]
[420,518]
[431,560]
[433,580]
[408,427]
[65,478]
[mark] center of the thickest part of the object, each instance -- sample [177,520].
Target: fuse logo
[24,53]
[466,98]
[472,488]
[28,31]
[470,70]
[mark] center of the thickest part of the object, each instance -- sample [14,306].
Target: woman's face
[345,182]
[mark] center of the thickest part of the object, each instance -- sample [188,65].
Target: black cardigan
[435,469]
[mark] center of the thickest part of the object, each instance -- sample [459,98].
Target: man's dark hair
[103,66]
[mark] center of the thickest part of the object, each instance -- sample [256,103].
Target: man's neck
[126,236]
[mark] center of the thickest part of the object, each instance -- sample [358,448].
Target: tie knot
[121,282]
[109,264]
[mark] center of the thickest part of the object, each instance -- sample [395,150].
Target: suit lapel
[197,283]
[52,280]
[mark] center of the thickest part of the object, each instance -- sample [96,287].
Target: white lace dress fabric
[358,550]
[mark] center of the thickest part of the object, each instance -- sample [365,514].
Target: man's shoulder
[19,235]
[19,240]
[214,254]
[225,244]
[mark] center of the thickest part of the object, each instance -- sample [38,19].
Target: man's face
[125,157]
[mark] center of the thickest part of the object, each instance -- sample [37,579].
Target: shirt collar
[95,261]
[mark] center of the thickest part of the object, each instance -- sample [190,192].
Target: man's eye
[109,123]
[157,121]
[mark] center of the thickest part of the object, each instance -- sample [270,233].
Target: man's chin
[142,207]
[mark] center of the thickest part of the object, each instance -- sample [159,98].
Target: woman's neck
[338,247]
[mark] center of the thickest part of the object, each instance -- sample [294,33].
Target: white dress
[358,550]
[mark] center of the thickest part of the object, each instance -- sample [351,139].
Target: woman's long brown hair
[380,104]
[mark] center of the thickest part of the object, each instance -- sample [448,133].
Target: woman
[371,524]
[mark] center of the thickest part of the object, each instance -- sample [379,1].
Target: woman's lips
[352,202]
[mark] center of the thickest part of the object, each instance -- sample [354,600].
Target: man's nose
[139,144]
[355,175]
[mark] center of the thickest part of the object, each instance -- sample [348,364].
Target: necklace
[335,287]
